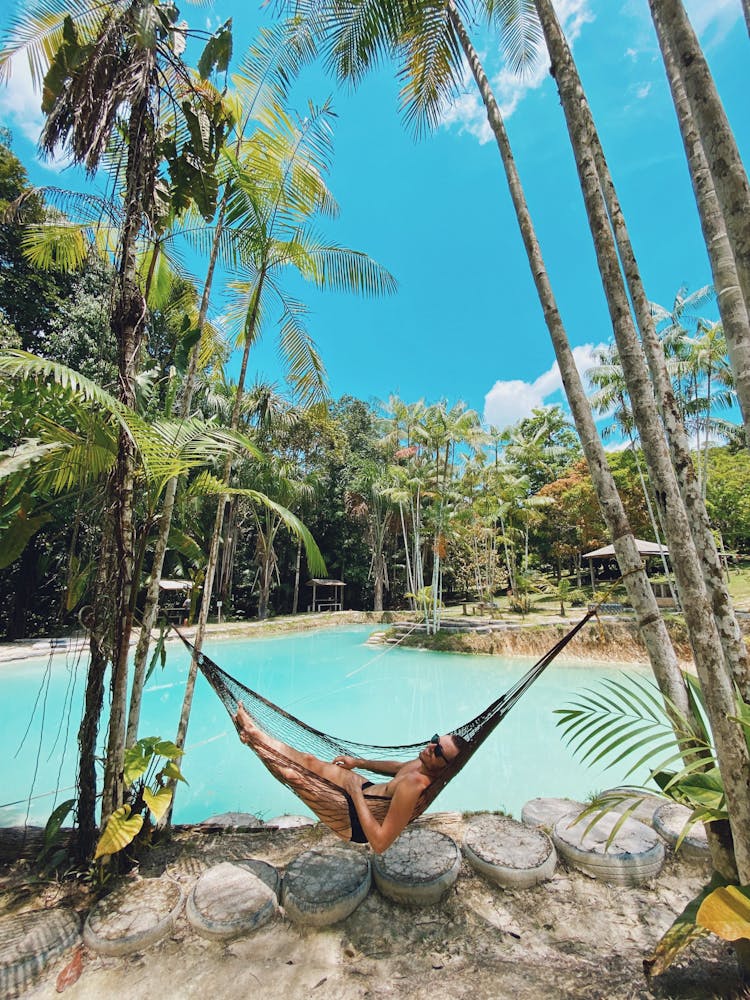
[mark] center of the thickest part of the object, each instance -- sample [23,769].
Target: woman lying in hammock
[407,781]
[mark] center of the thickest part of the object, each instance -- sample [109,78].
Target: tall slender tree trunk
[213,555]
[746,12]
[719,145]
[716,682]
[151,606]
[99,658]
[127,325]
[733,646]
[653,630]
[297,567]
[732,308]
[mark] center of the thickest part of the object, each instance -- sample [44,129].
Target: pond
[332,680]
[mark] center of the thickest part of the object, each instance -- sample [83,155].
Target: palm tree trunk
[719,145]
[733,645]
[716,683]
[746,12]
[151,606]
[127,326]
[653,630]
[732,308]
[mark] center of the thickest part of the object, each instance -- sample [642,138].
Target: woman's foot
[246,725]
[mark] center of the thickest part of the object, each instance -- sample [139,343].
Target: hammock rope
[327,800]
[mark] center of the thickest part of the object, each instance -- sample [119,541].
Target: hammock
[331,803]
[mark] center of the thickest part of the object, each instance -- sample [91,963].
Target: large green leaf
[121,830]
[18,534]
[726,912]
[158,802]
[136,763]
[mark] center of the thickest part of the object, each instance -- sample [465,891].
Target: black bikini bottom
[358,834]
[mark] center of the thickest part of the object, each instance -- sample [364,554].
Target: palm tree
[107,68]
[432,68]
[719,659]
[735,316]
[368,502]
[431,76]
[274,211]
[261,84]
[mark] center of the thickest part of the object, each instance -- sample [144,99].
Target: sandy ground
[572,937]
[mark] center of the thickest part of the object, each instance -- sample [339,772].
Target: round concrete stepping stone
[645,809]
[545,813]
[231,899]
[134,916]
[232,820]
[669,821]
[419,868]
[635,855]
[508,853]
[29,942]
[325,885]
[287,822]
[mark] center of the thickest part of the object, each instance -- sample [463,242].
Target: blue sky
[465,323]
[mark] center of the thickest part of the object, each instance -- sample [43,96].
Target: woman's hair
[459,742]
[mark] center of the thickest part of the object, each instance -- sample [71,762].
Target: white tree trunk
[734,314]
[719,145]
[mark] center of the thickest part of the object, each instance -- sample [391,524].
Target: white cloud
[719,15]
[642,91]
[467,113]
[20,103]
[510,401]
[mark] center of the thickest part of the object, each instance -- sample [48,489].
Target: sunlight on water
[334,682]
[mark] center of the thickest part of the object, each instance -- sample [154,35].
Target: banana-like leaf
[158,802]
[17,535]
[684,930]
[121,830]
[726,912]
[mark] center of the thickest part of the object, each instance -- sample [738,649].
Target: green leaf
[157,802]
[726,912]
[160,653]
[56,820]
[136,763]
[172,771]
[121,830]
[18,534]
[167,749]
[218,52]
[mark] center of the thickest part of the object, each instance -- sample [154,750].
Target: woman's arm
[380,836]
[376,766]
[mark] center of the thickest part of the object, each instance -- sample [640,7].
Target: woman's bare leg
[251,734]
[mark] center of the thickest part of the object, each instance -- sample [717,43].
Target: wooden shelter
[327,595]
[664,593]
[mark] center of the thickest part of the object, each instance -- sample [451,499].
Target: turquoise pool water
[329,678]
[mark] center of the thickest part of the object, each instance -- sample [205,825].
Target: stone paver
[229,900]
[325,885]
[29,941]
[419,868]
[134,916]
[509,853]
[669,821]
[545,812]
[635,854]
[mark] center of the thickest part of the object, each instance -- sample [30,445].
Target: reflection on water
[333,681]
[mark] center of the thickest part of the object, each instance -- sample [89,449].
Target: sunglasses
[438,751]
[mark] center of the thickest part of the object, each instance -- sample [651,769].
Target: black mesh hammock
[328,801]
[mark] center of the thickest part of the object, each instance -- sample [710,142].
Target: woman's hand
[347,762]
